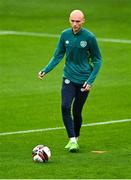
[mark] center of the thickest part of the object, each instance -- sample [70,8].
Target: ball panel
[47,151]
[37,158]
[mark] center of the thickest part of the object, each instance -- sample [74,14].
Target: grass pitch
[27,103]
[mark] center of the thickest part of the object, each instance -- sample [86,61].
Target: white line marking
[28,34]
[59,128]
[124,41]
[5,32]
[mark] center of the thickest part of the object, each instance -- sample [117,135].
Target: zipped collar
[78,33]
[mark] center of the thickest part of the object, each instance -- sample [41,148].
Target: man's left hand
[86,87]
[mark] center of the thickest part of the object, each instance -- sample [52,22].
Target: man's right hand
[41,75]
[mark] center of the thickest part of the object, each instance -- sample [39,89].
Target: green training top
[83,58]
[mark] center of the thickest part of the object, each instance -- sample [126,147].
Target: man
[83,61]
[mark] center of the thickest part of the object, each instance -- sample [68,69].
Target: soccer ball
[41,153]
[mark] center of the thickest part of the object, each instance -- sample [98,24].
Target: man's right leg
[68,93]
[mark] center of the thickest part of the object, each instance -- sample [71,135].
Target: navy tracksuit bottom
[72,103]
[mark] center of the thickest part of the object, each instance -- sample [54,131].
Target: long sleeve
[58,55]
[95,59]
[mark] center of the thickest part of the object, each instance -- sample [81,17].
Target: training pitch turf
[27,103]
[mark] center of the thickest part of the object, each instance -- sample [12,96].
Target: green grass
[27,103]
[115,163]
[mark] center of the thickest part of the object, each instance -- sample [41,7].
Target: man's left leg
[78,104]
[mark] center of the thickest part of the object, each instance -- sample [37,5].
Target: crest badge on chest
[83,44]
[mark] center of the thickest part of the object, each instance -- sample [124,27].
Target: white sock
[77,139]
[73,139]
